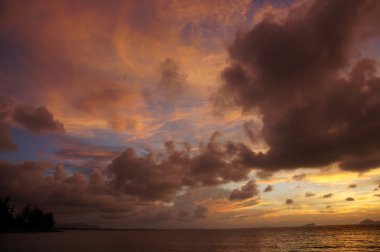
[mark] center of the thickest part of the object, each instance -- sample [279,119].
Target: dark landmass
[28,220]
[369,222]
[309,225]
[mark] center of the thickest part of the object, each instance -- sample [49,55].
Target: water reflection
[340,238]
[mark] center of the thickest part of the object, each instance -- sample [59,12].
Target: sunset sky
[191,113]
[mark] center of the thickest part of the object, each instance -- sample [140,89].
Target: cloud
[214,198]
[245,192]
[172,90]
[153,177]
[252,130]
[377,195]
[38,120]
[289,201]
[183,214]
[83,155]
[92,69]
[293,71]
[263,174]
[269,188]
[329,195]
[350,199]
[6,143]
[309,194]
[299,177]
[200,212]
[152,213]
[144,177]
[28,183]
[159,177]
[352,186]
[172,79]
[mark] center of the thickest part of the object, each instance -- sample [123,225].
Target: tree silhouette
[30,219]
[34,218]
[6,215]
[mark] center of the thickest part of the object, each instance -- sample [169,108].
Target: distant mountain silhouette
[369,222]
[309,225]
[29,220]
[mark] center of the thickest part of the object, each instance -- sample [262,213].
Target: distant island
[28,220]
[309,225]
[369,222]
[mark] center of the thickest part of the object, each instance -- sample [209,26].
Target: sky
[191,114]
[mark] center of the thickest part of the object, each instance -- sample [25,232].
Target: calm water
[340,238]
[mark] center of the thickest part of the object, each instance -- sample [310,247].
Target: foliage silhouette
[6,215]
[29,220]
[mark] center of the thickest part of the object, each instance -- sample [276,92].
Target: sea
[323,238]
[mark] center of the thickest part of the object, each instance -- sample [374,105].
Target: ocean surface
[331,238]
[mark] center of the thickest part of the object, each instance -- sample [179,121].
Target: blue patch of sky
[256,4]
[372,49]
[30,146]
[279,3]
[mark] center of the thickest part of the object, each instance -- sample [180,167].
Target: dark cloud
[154,177]
[269,188]
[252,202]
[245,192]
[289,201]
[172,79]
[184,204]
[296,73]
[350,199]
[149,178]
[263,174]
[214,164]
[253,130]
[152,213]
[145,177]
[377,195]
[28,183]
[183,214]
[200,211]
[38,120]
[309,194]
[299,177]
[326,196]
[6,143]
[78,153]
[81,155]
[352,186]
[171,91]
